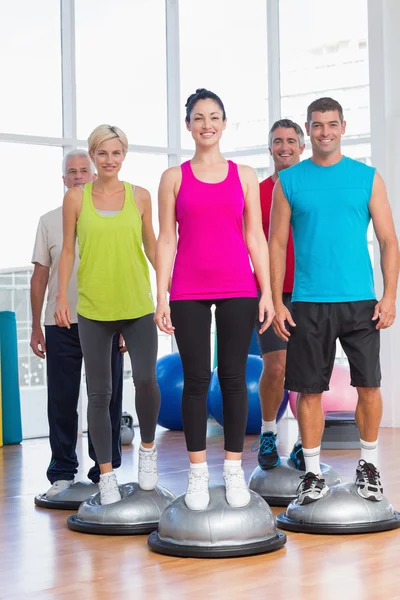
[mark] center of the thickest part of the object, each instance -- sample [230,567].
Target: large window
[14,296]
[120,68]
[30,49]
[31,185]
[224,48]
[146,170]
[123,76]
[325,53]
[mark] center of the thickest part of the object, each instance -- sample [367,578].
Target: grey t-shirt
[47,252]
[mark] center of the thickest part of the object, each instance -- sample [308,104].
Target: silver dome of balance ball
[278,486]
[137,512]
[69,499]
[341,511]
[218,531]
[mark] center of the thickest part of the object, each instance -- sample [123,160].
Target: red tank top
[266,189]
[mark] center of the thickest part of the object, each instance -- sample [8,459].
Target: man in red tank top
[286,144]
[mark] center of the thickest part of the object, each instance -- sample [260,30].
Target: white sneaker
[108,487]
[197,496]
[148,472]
[59,486]
[237,492]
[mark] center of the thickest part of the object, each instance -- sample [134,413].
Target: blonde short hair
[103,133]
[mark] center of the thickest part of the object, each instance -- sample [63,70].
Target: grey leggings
[96,341]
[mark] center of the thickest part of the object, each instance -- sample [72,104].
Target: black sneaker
[297,457]
[367,481]
[268,456]
[311,488]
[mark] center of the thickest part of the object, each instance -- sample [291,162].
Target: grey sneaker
[59,486]
[311,488]
[368,481]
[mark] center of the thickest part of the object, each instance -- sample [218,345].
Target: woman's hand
[62,314]
[162,317]
[266,312]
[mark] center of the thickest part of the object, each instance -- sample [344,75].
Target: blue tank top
[330,218]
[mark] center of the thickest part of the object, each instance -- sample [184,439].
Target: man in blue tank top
[329,200]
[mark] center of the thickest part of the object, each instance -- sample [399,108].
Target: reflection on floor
[40,558]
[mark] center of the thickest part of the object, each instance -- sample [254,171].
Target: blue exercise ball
[254,347]
[253,373]
[170,381]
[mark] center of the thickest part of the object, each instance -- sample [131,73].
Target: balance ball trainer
[253,372]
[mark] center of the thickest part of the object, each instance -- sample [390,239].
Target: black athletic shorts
[312,345]
[269,341]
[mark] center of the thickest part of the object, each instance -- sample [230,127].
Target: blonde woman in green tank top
[112,221]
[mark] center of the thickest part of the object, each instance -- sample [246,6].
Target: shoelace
[108,485]
[297,457]
[198,482]
[264,443]
[235,479]
[310,482]
[370,472]
[148,462]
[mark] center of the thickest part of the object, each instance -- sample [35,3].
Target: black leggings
[235,321]
[141,340]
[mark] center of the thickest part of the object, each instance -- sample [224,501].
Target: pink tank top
[212,260]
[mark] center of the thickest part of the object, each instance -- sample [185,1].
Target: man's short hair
[76,152]
[287,124]
[324,105]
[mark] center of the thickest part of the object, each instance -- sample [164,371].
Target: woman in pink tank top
[211,199]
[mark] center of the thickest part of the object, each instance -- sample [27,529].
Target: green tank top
[113,274]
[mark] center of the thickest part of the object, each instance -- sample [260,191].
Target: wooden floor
[41,558]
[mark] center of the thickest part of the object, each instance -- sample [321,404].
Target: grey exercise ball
[278,486]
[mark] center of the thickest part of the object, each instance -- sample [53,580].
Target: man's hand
[282,314]
[38,344]
[385,310]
